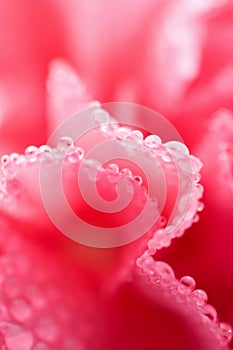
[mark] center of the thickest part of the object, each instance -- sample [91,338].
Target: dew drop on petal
[44,152]
[152,141]
[200,206]
[200,297]
[136,135]
[164,270]
[101,116]
[187,283]
[75,154]
[126,172]
[92,167]
[122,133]
[14,156]
[137,179]
[113,167]
[10,168]
[177,147]
[210,312]
[65,142]
[31,153]
[5,159]
[226,331]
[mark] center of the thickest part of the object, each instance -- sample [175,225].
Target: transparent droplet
[92,167]
[138,179]
[15,157]
[210,312]
[101,117]
[187,283]
[126,172]
[75,154]
[113,167]
[45,153]
[177,148]
[200,206]
[20,309]
[65,142]
[5,159]
[152,141]
[122,133]
[226,331]
[112,173]
[10,168]
[166,158]
[31,153]
[136,135]
[164,270]
[197,177]
[200,297]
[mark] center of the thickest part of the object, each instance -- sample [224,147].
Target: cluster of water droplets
[161,274]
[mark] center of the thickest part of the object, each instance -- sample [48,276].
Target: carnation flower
[124,284]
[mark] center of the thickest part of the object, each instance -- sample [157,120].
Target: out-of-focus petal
[30,36]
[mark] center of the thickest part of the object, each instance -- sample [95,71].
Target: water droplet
[199,190]
[197,177]
[101,116]
[122,133]
[164,270]
[113,173]
[166,157]
[226,331]
[10,168]
[5,159]
[210,312]
[20,309]
[200,297]
[46,329]
[177,148]
[45,152]
[200,206]
[137,179]
[65,142]
[187,283]
[93,168]
[152,141]
[31,153]
[75,154]
[136,135]
[113,167]
[15,157]
[16,336]
[126,172]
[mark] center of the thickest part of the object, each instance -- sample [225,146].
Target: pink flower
[173,57]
